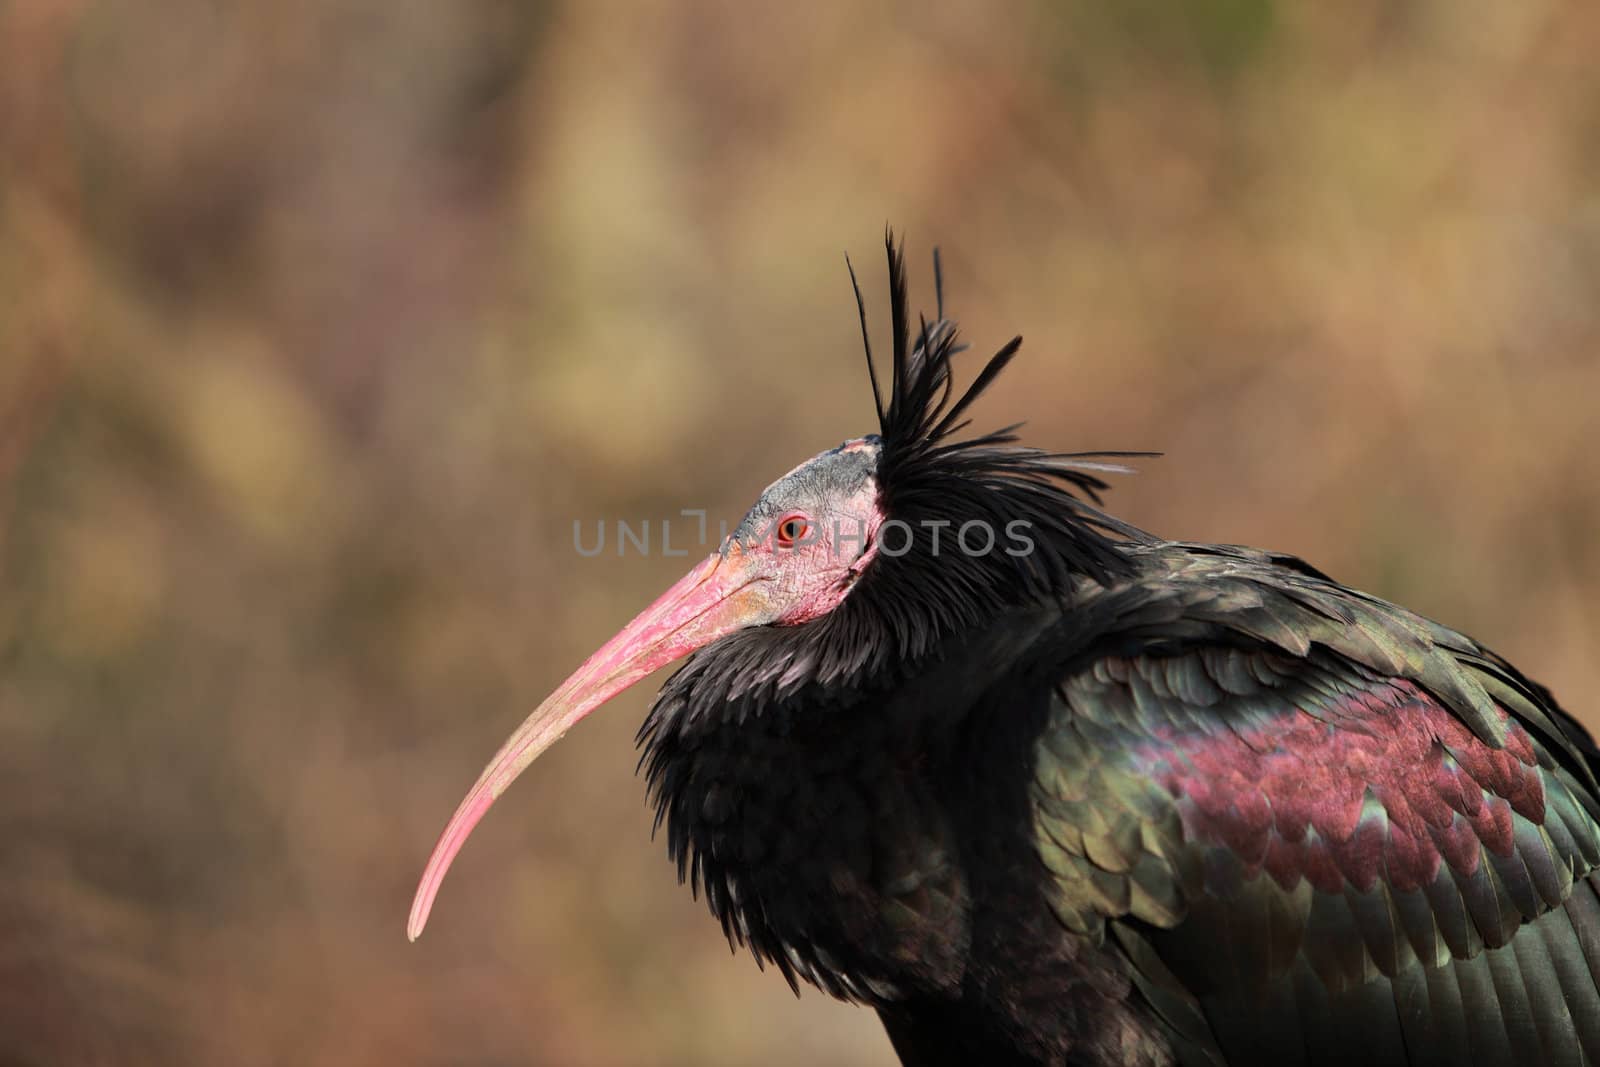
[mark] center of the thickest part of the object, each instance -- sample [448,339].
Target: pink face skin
[794,559]
[813,556]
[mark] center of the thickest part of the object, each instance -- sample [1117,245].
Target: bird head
[810,536]
[814,538]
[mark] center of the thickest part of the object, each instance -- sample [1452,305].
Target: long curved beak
[716,598]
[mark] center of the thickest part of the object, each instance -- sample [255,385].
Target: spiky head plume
[926,475]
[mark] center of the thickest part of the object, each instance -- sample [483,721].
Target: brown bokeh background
[322,320]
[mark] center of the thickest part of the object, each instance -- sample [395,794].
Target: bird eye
[792,528]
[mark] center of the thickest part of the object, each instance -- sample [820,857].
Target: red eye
[793,528]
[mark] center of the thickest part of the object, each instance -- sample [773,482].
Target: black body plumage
[1123,800]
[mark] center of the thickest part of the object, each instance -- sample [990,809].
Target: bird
[952,742]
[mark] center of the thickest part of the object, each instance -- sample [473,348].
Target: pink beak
[716,598]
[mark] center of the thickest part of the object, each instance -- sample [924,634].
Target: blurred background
[322,320]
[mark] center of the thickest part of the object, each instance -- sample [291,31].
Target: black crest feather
[994,476]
